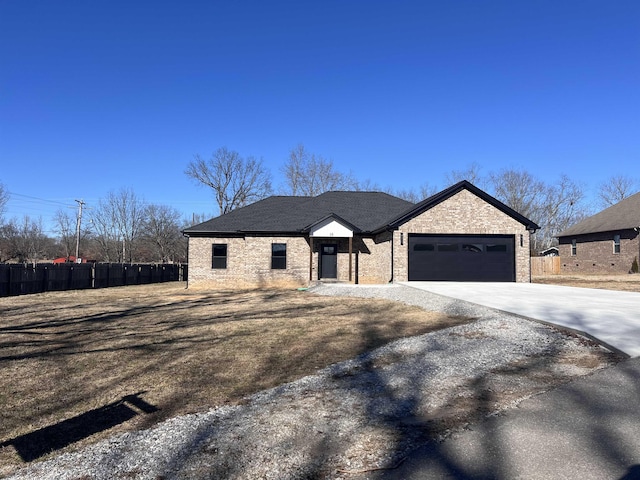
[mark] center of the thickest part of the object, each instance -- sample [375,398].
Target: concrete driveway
[610,316]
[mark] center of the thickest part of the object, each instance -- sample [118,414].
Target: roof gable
[331,226]
[623,215]
[447,193]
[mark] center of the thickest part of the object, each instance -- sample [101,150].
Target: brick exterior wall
[374,259]
[248,262]
[463,213]
[594,253]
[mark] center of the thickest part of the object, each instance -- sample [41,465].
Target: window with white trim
[574,247]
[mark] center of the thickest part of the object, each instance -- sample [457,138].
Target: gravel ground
[356,416]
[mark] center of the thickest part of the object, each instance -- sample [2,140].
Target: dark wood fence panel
[23,279]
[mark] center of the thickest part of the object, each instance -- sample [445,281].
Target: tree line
[236,181]
[122,227]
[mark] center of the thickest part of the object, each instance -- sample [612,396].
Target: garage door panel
[470,258]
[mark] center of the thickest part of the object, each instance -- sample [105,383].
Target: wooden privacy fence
[21,279]
[545,265]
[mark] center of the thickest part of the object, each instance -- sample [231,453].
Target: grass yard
[79,366]
[625,283]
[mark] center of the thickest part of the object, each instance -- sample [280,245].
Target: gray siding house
[458,234]
[606,242]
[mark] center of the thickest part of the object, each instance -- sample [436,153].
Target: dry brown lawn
[82,365]
[627,283]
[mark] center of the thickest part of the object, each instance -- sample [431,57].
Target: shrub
[634,265]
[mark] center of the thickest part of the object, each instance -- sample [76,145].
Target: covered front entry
[462,258]
[328,235]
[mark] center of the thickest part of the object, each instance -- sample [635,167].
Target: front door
[328,260]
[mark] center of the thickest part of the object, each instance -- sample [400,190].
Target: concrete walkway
[612,317]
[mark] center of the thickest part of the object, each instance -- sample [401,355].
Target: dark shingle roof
[367,211]
[621,216]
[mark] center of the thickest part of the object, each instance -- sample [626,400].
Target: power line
[43,200]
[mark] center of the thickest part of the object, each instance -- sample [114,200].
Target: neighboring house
[459,234]
[69,259]
[606,242]
[550,252]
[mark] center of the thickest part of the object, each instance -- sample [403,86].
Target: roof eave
[569,233]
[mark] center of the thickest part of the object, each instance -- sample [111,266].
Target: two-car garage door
[462,258]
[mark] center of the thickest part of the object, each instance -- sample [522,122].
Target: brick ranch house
[606,242]
[458,234]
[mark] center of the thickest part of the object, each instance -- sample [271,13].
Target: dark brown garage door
[462,258]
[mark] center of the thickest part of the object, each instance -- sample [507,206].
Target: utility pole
[80,205]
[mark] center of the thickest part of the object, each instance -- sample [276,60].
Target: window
[496,248]
[574,247]
[472,247]
[219,256]
[278,256]
[424,247]
[616,244]
[447,247]
[329,249]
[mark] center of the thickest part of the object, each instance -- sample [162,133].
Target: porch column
[350,257]
[310,258]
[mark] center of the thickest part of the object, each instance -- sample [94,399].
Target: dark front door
[329,260]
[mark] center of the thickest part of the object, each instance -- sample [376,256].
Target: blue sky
[100,95]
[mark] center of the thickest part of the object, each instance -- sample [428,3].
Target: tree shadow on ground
[38,443]
[587,428]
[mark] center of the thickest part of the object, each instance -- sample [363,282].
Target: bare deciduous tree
[520,190]
[8,234]
[415,196]
[309,174]
[130,217]
[65,227]
[427,191]
[105,232]
[406,194]
[30,243]
[553,207]
[615,189]
[563,206]
[235,181]
[471,174]
[117,223]
[162,231]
